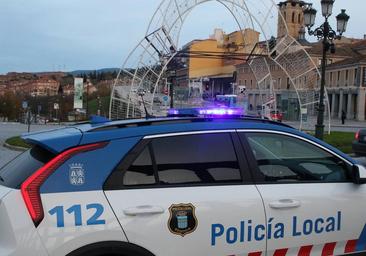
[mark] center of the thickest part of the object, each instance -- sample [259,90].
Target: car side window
[195,159]
[282,158]
[141,171]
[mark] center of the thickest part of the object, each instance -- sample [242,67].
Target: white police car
[182,186]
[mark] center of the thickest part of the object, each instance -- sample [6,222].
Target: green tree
[10,106]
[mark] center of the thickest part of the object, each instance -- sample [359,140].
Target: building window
[339,76]
[331,79]
[245,82]
[355,78]
[284,16]
[299,19]
[293,17]
[288,83]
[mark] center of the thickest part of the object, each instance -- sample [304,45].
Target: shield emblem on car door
[182,219]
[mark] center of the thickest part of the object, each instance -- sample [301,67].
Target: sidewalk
[335,125]
[348,123]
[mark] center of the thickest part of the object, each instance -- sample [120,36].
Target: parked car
[157,100]
[276,116]
[359,144]
[192,185]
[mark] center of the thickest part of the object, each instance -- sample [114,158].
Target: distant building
[68,89]
[345,78]
[37,84]
[215,74]
[346,84]
[42,87]
[2,89]
[292,13]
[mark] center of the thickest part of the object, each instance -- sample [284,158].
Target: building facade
[211,65]
[345,76]
[293,18]
[346,85]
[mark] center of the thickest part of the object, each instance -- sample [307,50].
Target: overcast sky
[48,35]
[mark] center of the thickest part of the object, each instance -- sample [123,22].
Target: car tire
[111,248]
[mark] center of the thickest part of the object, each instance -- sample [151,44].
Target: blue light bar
[207,112]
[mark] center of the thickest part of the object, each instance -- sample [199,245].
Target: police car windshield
[21,167]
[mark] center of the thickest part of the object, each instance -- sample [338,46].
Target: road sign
[165,98]
[56,106]
[25,104]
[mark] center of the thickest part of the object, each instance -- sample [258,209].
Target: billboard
[78,92]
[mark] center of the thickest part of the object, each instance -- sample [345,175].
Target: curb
[348,126]
[15,148]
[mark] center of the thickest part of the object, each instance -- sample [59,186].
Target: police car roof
[60,139]
[155,126]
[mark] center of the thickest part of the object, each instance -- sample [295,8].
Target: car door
[312,205]
[188,194]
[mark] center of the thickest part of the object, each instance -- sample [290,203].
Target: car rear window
[20,168]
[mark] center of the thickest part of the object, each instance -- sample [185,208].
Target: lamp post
[327,35]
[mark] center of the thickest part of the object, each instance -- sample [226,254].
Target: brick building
[345,77]
[43,87]
[346,84]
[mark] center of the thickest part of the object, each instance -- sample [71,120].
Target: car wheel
[111,248]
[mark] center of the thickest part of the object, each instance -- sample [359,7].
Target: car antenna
[141,93]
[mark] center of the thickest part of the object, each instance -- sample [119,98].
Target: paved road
[14,129]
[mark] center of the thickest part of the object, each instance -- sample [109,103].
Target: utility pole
[29,118]
[87,100]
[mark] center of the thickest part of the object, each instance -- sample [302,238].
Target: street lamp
[327,35]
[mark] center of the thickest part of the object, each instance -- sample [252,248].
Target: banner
[78,92]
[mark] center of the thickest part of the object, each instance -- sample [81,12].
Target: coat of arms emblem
[182,219]
[76,174]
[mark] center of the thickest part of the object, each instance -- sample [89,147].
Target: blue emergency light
[206,112]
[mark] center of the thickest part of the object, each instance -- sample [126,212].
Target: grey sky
[47,35]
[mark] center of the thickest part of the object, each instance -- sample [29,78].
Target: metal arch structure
[145,67]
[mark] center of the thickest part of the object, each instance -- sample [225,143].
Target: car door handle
[143,210]
[285,204]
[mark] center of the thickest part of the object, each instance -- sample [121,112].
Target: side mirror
[359,172]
